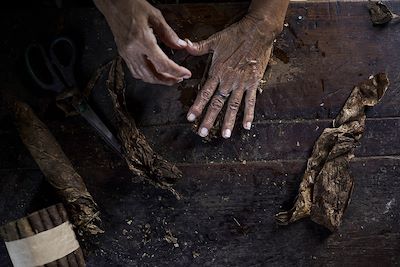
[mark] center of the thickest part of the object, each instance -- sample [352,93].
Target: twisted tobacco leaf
[327,184]
[139,156]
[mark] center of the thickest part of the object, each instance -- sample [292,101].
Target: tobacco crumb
[170,238]
[195,254]
[380,14]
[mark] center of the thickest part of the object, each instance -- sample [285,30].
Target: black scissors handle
[63,57]
[55,84]
[58,64]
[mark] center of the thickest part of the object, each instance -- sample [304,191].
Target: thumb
[200,48]
[167,35]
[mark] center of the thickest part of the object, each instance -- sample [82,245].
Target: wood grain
[232,188]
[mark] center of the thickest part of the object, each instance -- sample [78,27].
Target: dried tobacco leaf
[380,14]
[58,170]
[327,184]
[138,154]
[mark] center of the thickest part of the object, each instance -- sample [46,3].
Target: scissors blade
[91,117]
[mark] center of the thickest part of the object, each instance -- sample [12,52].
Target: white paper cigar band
[44,247]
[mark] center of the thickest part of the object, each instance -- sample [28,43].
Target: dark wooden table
[231,188]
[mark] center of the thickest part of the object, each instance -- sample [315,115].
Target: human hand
[135,25]
[240,56]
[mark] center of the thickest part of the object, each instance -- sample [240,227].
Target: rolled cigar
[10,232]
[37,226]
[2,232]
[58,170]
[36,222]
[48,224]
[25,229]
[78,253]
[55,218]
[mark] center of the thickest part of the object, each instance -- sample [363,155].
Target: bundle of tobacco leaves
[136,151]
[327,184]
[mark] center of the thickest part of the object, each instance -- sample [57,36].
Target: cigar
[10,232]
[56,220]
[48,224]
[25,230]
[37,226]
[58,170]
[80,259]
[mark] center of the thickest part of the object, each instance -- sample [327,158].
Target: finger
[148,76]
[137,65]
[166,66]
[133,71]
[166,34]
[200,48]
[230,116]
[214,108]
[144,73]
[202,99]
[250,103]
[151,70]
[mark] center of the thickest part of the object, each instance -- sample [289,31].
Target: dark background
[231,188]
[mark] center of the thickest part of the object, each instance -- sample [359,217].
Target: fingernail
[248,126]
[187,76]
[180,80]
[203,132]
[191,117]
[227,133]
[182,42]
[189,42]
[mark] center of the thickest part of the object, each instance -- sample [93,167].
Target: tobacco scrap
[58,170]
[380,14]
[139,156]
[326,186]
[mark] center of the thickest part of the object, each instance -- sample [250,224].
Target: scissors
[58,64]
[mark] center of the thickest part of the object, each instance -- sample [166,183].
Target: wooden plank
[332,48]
[273,140]
[267,141]
[226,216]
[320,47]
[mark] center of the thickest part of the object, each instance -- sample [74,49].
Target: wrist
[269,15]
[266,24]
[109,7]
[101,4]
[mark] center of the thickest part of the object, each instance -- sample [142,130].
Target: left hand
[240,56]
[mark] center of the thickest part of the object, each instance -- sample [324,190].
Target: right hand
[134,24]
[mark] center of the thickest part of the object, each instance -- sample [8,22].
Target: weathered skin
[240,55]
[135,24]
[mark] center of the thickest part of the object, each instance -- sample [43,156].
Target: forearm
[102,5]
[269,12]
[106,5]
[112,10]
